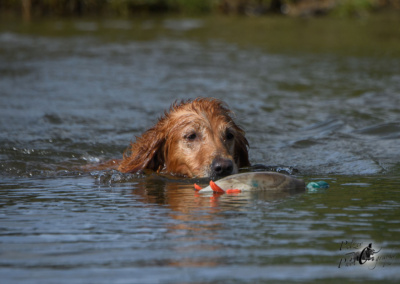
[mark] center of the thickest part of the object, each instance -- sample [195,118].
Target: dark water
[322,96]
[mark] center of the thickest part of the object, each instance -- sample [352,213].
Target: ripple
[389,130]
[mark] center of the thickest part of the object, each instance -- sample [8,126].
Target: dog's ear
[145,153]
[241,155]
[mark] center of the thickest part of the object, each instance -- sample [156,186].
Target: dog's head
[194,139]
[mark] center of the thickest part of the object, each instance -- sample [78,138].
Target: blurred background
[30,8]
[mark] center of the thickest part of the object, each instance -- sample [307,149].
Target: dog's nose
[222,167]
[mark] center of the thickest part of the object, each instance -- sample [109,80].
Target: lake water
[318,95]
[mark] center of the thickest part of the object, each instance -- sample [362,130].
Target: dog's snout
[222,167]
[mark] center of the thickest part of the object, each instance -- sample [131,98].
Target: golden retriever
[195,139]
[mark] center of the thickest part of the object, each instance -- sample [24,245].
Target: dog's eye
[191,137]
[229,136]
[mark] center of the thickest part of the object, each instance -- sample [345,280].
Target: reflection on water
[74,93]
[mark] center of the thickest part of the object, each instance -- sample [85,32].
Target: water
[321,96]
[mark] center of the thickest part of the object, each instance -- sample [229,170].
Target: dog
[194,139]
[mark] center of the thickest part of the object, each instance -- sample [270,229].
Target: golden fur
[195,138]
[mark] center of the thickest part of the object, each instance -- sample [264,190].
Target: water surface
[321,96]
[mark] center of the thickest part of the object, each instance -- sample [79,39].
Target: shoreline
[29,9]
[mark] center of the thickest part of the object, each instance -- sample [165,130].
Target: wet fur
[169,146]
